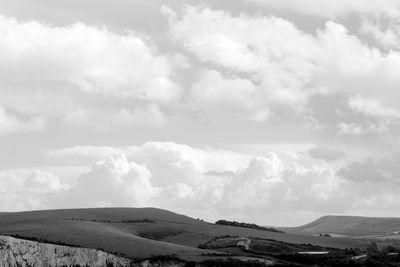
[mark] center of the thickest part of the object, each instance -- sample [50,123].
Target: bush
[247,225]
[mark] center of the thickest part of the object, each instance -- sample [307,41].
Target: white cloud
[364,73]
[117,181]
[170,163]
[344,53]
[251,67]
[160,154]
[235,67]
[34,191]
[261,65]
[364,76]
[90,58]
[183,179]
[363,128]
[242,43]
[83,75]
[275,69]
[371,107]
[42,182]
[274,184]
[385,31]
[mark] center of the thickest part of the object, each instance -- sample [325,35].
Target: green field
[352,226]
[141,232]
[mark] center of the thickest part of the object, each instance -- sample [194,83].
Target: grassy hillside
[139,232]
[350,225]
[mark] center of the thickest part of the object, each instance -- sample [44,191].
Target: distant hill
[115,230]
[350,226]
[140,232]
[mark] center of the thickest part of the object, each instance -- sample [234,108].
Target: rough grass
[350,225]
[139,233]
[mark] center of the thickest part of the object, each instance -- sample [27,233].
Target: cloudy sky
[266,111]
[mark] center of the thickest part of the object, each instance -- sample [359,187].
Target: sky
[275,112]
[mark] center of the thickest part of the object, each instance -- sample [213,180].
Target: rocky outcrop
[19,252]
[15,252]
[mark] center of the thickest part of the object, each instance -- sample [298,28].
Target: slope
[350,226]
[139,232]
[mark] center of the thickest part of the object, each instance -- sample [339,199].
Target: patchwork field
[352,226]
[141,232]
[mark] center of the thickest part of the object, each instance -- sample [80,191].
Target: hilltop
[350,226]
[143,233]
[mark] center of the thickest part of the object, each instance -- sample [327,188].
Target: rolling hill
[354,226]
[140,232]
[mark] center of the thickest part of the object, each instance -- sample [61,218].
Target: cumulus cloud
[91,58]
[372,108]
[259,66]
[384,30]
[118,183]
[183,179]
[277,185]
[251,67]
[359,129]
[44,182]
[268,185]
[352,67]
[180,178]
[259,49]
[265,69]
[86,75]
[157,154]
[35,191]
[113,181]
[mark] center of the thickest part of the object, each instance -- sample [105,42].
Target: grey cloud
[219,173]
[384,170]
[335,9]
[326,153]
